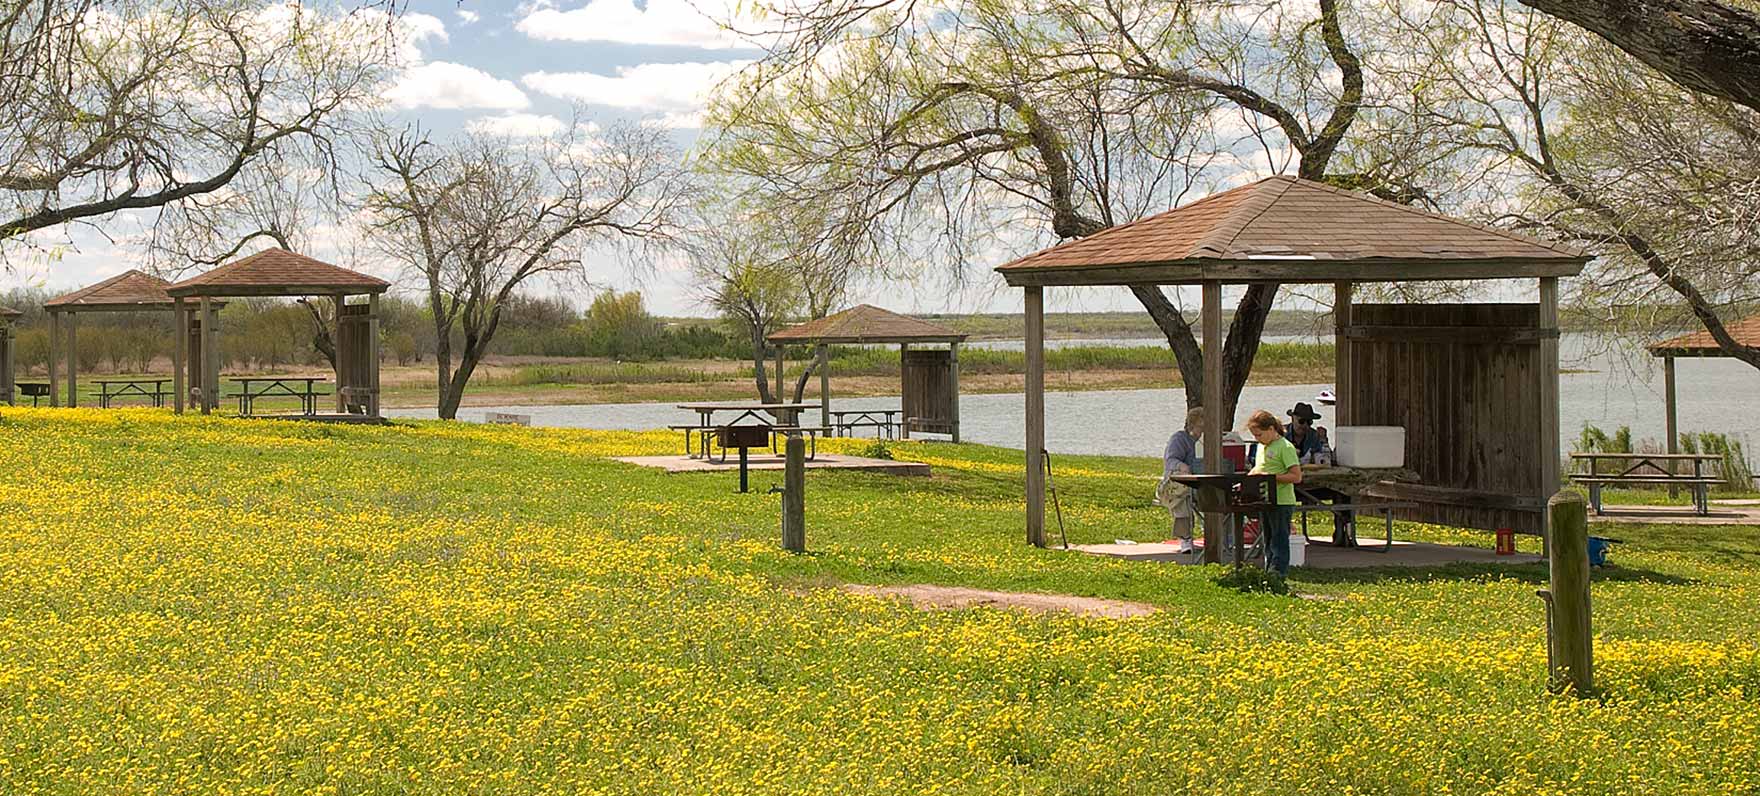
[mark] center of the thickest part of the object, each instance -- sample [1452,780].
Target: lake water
[1608,391]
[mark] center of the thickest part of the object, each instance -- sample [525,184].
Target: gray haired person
[1181,456]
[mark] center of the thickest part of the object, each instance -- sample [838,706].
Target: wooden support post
[179,350]
[72,362]
[953,386]
[1671,429]
[54,356]
[1549,453]
[904,415]
[794,494]
[780,352]
[1570,641]
[825,388]
[342,354]
[7,379]
[210,356]
[1342,386]
[1214,422]
[1035,346]
[373,355]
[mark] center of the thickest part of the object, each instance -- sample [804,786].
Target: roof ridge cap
[1222,237]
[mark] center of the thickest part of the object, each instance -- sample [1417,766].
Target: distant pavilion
[1696,344]
[130,291]
[928,377]
[278,272]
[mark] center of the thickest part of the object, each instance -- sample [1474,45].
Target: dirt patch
[947,598]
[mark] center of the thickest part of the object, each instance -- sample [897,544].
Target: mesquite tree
[475,219]
[944,133]
[135,104]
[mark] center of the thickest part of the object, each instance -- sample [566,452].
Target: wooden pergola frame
[1223,253]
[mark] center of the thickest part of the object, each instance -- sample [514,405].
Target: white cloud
[516,125]
[676,90]
[451,86]
[675,22]
[418,28]
[467,17]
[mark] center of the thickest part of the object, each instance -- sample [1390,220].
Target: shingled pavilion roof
[1700,343]
[1287,229]
[865,323]
[130,290]
[8,313]
[278,272]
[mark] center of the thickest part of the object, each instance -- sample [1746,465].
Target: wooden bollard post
[794,498]
[1569,641]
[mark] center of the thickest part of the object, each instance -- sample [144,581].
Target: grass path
[208,605]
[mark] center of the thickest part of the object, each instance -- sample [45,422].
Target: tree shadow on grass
[1535,573]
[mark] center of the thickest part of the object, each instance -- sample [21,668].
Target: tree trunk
[321,339]
[1704,46]
[800,384]
[443,368]
[760,353]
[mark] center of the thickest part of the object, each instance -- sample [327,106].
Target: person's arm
[1291,476]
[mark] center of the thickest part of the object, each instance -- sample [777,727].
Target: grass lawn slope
[222,606]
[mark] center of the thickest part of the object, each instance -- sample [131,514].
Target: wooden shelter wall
[1464,380]
[354,377]
[928,385]
[6,363]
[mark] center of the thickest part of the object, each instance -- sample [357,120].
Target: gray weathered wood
[72,361]
[179,349]
[1458,334]
[794,495]
[1341,345]
[825,386]
[953,377]
[8,392]
[1214,422]
[54,346]
[342,354]
[1670,429]
[373,355]
[904,417]
[210,356]
[1551,456]
[1035,387]
[1571,639]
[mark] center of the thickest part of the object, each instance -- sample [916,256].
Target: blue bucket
[1598,549]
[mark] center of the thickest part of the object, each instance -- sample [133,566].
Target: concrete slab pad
[1323,555]
[824,461]
[1722,513]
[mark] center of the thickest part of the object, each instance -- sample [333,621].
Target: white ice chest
[1370,446]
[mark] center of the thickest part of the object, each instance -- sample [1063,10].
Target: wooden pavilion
[1696,344]
[1476,385]
[130,291]
[7,316]
[278,272]
[928,377]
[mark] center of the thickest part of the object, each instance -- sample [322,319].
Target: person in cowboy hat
[1310,439]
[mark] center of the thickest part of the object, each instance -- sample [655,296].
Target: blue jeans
[1274,529]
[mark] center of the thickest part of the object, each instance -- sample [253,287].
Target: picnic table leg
[1386,544]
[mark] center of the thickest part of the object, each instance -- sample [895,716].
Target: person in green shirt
[1277,457]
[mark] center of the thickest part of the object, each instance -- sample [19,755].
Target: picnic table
[1350,482]
[112,389]
[707,424]
[33,390]
[250,388]
[1651,469]
[883,421]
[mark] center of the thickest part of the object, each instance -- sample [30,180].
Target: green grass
[213,605]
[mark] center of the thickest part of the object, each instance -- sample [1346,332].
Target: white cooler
[1370,446]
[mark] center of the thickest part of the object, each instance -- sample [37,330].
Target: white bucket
[1298,549]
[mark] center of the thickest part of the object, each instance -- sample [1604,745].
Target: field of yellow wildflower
[223,606]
